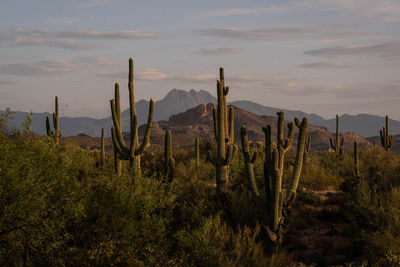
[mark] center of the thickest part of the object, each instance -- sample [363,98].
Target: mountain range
[178,101]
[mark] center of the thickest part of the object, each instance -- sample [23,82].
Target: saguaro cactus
[356,160]
[386,139]
[226,150]
[132,152]
[197,152]
[102,149]
[277,198]
[336,144]
[169,162]
[56,134]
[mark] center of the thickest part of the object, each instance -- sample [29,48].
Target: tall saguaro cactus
[224,135]
[56,133]
[197,152]
[336,144]
[277,198]
[356,160]
[134,151]
[386,139]
[102,149]
[169,162]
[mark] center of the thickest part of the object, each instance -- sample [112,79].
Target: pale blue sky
[318,56]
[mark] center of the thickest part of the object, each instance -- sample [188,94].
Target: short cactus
[56,134]
[386,139]
[336,144]
[226,150]
[132,152]
[169,161]
[356,160]
[197,152]
[102,149]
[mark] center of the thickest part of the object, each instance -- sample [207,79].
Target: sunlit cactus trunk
[132,152]
[224,135]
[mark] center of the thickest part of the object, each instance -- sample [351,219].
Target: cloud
[66,39]
[3,83]
[275,33]
[326,65]
[389,50]
[222,51]
[236,11]
[380,10]
[59,43]
[96,3]
[57,21]
[49,68]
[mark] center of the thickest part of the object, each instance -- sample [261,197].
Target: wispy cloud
[222,51]
[57,21]
[236,11]
[380,10]
[326,65]
[66,39]
[96,3]
[275,33]
[389,50]
[4,83]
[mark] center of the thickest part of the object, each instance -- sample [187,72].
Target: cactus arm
[119,140]
[332,142]
[231,125]
[381,132]
[215,117]
[146,138]
[102,150]
[48,130]
[211,158]
[249,167]
[299,160]
[117,145]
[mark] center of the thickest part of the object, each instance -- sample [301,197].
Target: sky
[319,56]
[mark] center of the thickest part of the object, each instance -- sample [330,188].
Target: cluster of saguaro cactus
[169,161]
[134,151]
[277,198]
[102,150]
[197,152]
[336,144]
[386,139]
[56,134]
[224,135]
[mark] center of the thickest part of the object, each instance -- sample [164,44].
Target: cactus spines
[226,150]
[169,162]
[102,150]
[356,160]
[56,133]
[386,139]
[197,152]
[134,151]
[336,144]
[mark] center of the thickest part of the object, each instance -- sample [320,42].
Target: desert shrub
[373,204]
[214,243]
[42,189]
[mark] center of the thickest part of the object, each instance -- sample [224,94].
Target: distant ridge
[178,101]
